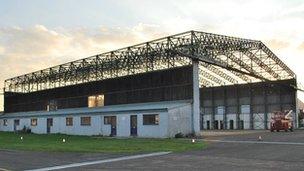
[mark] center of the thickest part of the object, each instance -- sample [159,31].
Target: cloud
[276,44]
[301,47]
[2,50]
[23,50]
[279,24]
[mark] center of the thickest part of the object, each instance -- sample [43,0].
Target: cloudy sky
[37,34]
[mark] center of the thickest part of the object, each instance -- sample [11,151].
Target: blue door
[49,124]
[133,125]
[113,126]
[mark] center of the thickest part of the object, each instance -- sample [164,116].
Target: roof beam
[261,63]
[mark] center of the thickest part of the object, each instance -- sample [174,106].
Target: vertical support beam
[265,87]
[213,109]
[225,107]
[295,113]
[196,98]
[202,114]
[5,109]
[251,107]
[280,96]
[238,107]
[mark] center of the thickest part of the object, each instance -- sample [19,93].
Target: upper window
[96,100]
[34,122]
[85,121]
[151,119]
[52,105]
[69,121]
[5,122]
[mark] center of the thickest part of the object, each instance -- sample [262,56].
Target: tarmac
[226,150]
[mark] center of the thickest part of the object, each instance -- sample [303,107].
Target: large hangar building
[177,84]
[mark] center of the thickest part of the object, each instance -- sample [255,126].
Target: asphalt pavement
[226,150]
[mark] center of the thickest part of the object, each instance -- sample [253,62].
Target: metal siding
[165,85]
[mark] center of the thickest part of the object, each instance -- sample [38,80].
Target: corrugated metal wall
[261,98]
[165,85]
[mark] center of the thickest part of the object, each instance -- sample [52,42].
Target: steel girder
[225,60]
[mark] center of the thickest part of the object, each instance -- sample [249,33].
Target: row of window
[84,121]
[151,119]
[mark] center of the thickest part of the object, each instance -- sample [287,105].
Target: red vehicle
[281,121]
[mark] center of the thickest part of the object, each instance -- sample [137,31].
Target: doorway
[221,125]
[241,124]
[16,124]
[113,126]
[216,124]
[49,124]
[133,125]
[231,126]
[208,124]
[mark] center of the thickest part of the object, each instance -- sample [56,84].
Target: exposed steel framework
[224,60]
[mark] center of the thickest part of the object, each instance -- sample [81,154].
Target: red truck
[281,121]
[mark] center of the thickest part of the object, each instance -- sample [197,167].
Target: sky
[36,34]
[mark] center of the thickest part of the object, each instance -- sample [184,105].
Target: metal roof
[224,60]
[112,109]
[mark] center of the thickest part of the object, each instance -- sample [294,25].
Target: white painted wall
[180,121]
[156,131]
[98,127]
[41,126]
[123,125]
[8,127]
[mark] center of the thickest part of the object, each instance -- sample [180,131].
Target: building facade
[155,104]
[228,82]
[155,119]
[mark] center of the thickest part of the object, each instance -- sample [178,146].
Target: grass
[53,142]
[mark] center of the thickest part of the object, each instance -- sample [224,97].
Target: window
[110,120]
[69,121]
[52,105]
[151,119]
[85,121]
[17,122]
[5,122]
[49,121]
[96,100]
[33,122]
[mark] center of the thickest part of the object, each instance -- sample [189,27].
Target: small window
[96,100]
[151,119]
[85,121]
[17,122]
[69,121]
[50,121]
[5,122]
[34,122]
[110,120]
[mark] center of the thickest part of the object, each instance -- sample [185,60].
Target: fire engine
[281,121]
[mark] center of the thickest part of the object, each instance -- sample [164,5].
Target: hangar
[177,84]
